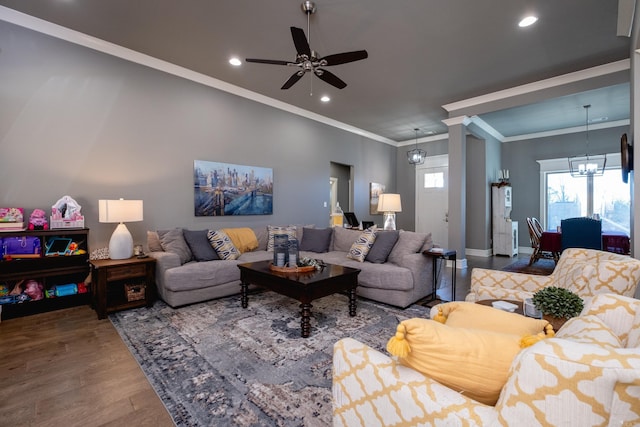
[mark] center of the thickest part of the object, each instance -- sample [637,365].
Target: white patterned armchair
[586,272]
[588,375]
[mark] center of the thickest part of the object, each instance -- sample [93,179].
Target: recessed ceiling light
[529,20]
[325,98]
[235,62]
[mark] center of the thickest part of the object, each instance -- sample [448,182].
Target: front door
[432,199]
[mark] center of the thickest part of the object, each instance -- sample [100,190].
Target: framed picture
[374,191]
[227,189]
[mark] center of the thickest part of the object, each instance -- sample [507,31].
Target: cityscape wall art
[228,189]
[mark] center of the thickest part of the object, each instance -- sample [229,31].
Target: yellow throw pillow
[243,238]
[474,362]
[477,316]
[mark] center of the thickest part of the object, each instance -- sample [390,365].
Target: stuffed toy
[38,220]
[34,289]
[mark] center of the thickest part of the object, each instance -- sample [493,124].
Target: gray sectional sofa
[395,271]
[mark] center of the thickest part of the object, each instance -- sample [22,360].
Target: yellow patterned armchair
[588,375]
[586,272]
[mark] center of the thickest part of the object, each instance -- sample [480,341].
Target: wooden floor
[67,368]
[463,276]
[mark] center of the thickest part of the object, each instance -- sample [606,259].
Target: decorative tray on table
[297,269]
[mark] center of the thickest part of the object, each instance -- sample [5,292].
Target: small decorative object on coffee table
[305,287]
[557,305]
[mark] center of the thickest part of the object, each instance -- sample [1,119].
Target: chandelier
[416,156]
[584,166]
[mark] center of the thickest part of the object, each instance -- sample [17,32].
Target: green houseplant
[557,305]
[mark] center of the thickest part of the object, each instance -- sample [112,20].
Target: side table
[120,284]
[442,254]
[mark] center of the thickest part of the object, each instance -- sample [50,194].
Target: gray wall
[81,123]
[406,178]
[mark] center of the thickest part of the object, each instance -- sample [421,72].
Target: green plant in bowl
[558,302]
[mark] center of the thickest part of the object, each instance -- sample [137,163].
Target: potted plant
[557,305]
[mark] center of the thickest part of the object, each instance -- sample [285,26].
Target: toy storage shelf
[49,270]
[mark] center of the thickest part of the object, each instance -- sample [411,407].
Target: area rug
[542,267]
[215,363]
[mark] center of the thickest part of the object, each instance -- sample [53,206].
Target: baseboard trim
[486,253]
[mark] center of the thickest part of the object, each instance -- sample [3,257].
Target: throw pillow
[471,361]
[153,241]
[199,244]
[343,238]
[409,242]
[244,239]
[316,239]
[361,247]
[289,230]
[222,244]
[173,241]
[589,329]
[476,316]
[384,243]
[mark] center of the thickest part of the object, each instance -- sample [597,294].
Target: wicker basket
[135,292]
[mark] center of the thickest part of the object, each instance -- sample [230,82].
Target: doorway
[432,199]
[341,186]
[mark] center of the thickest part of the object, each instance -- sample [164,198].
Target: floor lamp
[389,204]
[120,211]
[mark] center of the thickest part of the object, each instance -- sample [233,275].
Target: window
[605,196]
[434,180]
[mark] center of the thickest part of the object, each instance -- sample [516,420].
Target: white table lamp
[120,211]
[389,204]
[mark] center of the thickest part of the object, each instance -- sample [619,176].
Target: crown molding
[589,73]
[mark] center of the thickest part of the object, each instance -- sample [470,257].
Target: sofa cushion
[316,239]
[222,244]
[199,244]
[289,230]
[472,361]
[379,276]
[384,243]
[477,316]
[589,329]
[360,248]
[409,242]
[343,238]
[173,241]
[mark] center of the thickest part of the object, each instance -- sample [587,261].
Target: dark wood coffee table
[305,287]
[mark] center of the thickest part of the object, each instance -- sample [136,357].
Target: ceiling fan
[307,60]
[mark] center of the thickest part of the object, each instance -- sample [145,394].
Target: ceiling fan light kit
[308,60]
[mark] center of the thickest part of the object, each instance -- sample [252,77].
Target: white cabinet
[505,231]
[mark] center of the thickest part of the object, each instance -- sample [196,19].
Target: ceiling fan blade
[300,40]
[330,78]
[343,58]
[268,61]
[292,80]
